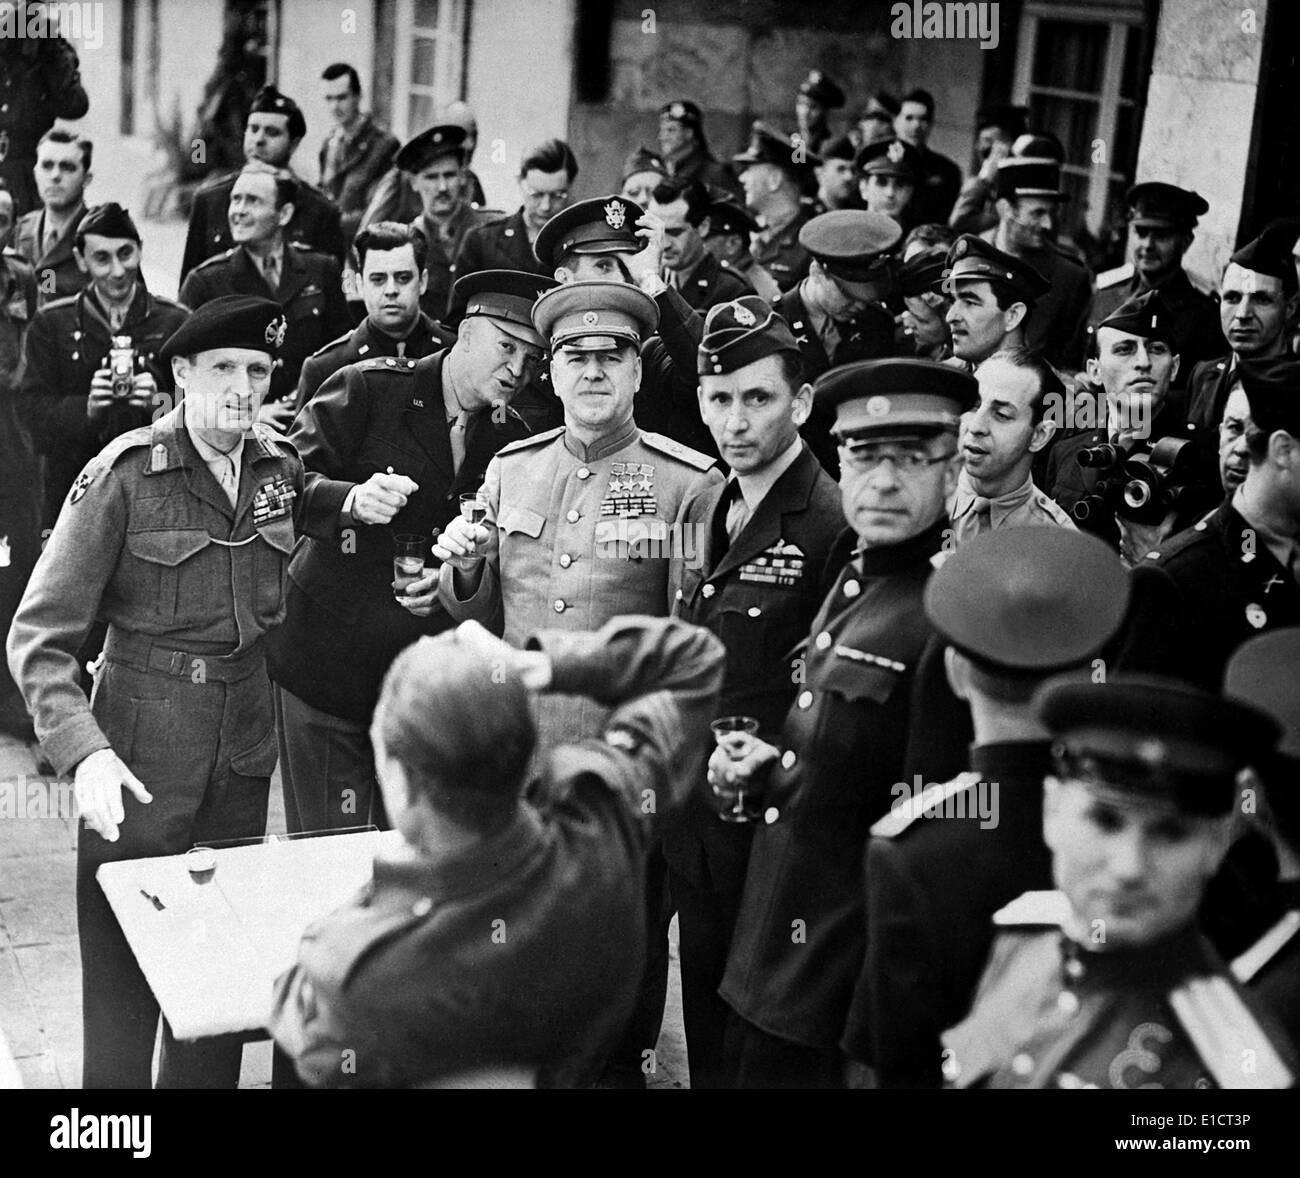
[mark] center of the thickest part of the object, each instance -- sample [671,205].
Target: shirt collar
[209,453]
[754,487]
[999,506]
[1282,547]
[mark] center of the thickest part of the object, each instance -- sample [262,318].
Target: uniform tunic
[579,535]
[149,543]
[500,244]
[1050,1014]
[710,283]
[58,275]
[799,944]
[409,975]
[779,252]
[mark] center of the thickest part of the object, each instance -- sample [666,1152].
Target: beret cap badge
[614,215]
[275,331]
[676,111]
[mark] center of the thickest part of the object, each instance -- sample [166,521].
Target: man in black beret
[852,732]
[837,182]
[818,96]
[730,231]
[774,171]
[1237,570]
[750,570]
[92,368]
[685,151]
[993,299]
[1257,282]
[389,444]
[178,535]
[1013,608]
[274,128]
[1109,982]
[1161,225]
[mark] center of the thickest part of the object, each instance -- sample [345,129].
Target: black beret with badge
[895,395]
[1157,205]
[889,157]
[593,316]
[972,259]
[684,112]
[742,331]
[855,247]
[726,216]
[1156,738]
[107,220]
[822,90]
[602,225]
[231,321]
[839,147]
[767,146]
[504,296]
[268,100]
[418,153]
[1029,601]
[1272,388]
[1146,315]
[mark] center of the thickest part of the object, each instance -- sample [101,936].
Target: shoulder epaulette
[224,256]
[216,182]
[164,301]
[59,304]
[1233,1046]
[529,443]
[903,813]
[272,440]
[1034,908]
[334,343]
[675,449]
[384,364]
[1114,277]
[1245,967]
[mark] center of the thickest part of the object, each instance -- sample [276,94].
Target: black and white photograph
[651,545]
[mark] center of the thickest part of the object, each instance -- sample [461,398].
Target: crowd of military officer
[987,574]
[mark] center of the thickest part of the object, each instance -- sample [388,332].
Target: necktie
[51,240]
[271,271]
[116,316]
[227,478]
[737,513]
[977,518]
[456,434]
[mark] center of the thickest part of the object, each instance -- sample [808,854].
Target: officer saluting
[177,535]
[850,735]
[1109,982]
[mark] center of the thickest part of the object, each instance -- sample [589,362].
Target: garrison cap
[1029,600]
[643,160]
[269,100]
[838,148]
[973,259]
[726,216]
[742,331]
[504,296]
[602,225]
[1270,253]
[231,321]
[889,157]
[767,146]
[1264,672]
[1157,205]
[855,247]
[1146,315]
[922,272]
[896,395]
[593,316]
[1273,389]
[821,89]
[1029,176]
[430,144]
[107,220]
[1154,737]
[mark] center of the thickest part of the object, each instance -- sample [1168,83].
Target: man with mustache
[993,297]
[1109,982]
[389,446]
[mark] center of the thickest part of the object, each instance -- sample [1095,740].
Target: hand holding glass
[408,561]
[735,736]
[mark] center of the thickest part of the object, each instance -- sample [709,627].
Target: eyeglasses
[543,197]
[865,459]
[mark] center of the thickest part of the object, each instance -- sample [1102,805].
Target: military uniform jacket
[365,157]
[365,342]
[409,974]
[148,543]
[310,291]
[1196,330]
[315,223]
[1050,1014]
[579,535]
[68,341]
[444,245]
[711,283]
[343,627]
[937,189]
[40,81]
[781,254]
[759,596]
[1229,586]
[501,244]
[798,946]
[58,275]
[1270,968]
[666,401]
[701,165]
[929,922]
[17,305]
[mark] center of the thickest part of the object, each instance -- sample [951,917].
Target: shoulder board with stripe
[1245,967]
[529,443]
[384,364]
[1115,277]
[334,343]
[275,442]
[903,813]
[675,449]
[1034,908]
[1233,1046]
[224,256]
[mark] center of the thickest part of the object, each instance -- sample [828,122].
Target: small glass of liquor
[473,510]
[733,734]
[408,561]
